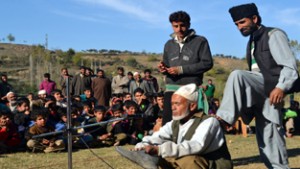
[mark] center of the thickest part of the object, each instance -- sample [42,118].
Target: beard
[187,112]
[248,30]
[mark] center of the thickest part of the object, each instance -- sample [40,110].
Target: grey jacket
[194,59]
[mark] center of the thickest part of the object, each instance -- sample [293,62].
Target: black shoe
[140,157]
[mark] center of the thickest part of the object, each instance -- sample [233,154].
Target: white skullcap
[190,92]
[136,73]
[42,92]
[9,93]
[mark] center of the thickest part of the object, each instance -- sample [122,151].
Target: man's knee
[236,74]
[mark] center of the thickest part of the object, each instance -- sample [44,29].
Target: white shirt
[207,138]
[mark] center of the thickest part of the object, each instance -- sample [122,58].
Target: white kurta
[208,137]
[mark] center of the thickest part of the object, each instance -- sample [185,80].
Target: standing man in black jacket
[259,92]
[186,58]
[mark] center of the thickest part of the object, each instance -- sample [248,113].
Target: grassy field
[244,153]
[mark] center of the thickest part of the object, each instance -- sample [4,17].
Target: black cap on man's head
[243,11]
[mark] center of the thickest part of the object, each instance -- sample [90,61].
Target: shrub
[152,59]
[131,62]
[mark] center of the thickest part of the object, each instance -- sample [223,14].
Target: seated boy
[22,115]
[48,143]
[59,98]
[158,111]
[77,134]
[117,129]
[289,115]
[98,132]
[9,136]
[88,96]
[135,130]
[87,111]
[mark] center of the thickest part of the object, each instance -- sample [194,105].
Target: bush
[152,59]
[76,58]
[131,62]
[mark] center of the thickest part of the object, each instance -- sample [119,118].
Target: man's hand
[173,70]
[162,67]
[276,96]
[152,150]
[103,137]
[115,122]
[45,141]
[137,149]
[27,112]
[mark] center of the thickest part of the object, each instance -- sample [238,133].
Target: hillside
[15,62]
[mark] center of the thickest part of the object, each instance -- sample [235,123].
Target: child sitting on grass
[98,132]
[117,129]
[78,136]
[22,116]
[9,136]
[135,130]
[48,143]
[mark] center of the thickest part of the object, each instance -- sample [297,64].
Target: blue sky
[135,25]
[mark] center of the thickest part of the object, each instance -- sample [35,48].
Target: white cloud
[77,16]
[145,11]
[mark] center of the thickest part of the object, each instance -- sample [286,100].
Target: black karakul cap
[243,11]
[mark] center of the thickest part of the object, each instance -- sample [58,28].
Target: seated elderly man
[191,140]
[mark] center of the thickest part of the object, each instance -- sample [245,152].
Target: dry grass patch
[243,150]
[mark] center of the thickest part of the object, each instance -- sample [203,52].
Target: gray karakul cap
[243,11]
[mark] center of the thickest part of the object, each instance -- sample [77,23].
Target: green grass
[244,154]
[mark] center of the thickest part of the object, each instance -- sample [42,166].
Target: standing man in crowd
[120,82]
[151,80]
[139,82]
[259,92]
[80,82]
[186,58]
[101,87]
[5,86]
[63,78]
[47,84]
[210,90]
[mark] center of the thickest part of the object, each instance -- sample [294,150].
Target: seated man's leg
[33,144]
[243,90]
[120,137]
[270,138]
[186,162]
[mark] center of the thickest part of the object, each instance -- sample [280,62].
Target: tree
[295,46]
[70,53]
[10,38]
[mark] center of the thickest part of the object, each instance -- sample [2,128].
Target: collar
[198,114]
[258,33]
[195,115]
[191,32]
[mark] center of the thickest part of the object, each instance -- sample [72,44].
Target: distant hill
[15,62]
